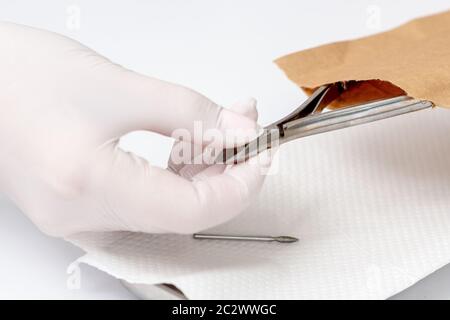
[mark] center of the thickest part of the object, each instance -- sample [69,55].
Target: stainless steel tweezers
[308,119]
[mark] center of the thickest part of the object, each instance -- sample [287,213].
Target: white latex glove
[63,109]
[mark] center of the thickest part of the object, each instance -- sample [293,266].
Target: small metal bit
[281,239]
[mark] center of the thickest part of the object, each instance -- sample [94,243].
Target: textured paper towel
[414,57]
[370,204]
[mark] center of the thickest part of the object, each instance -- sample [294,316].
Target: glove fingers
[245,107]
[144,103]
[150,199]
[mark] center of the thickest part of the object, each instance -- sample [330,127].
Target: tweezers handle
[324,122]
[351,116]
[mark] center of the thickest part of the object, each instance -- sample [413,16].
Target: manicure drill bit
[281,239]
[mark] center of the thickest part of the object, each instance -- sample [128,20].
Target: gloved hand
[63,109]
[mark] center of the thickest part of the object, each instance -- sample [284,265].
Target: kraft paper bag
[413,59]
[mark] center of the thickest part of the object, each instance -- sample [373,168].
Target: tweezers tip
[286,239]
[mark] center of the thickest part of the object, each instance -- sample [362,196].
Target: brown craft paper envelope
[413,58]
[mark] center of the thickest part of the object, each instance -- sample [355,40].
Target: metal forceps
[308,119]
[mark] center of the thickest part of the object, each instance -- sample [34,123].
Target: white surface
[196,42]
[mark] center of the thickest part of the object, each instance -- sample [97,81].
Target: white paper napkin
[370,204]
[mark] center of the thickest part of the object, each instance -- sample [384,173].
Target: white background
[223,49]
